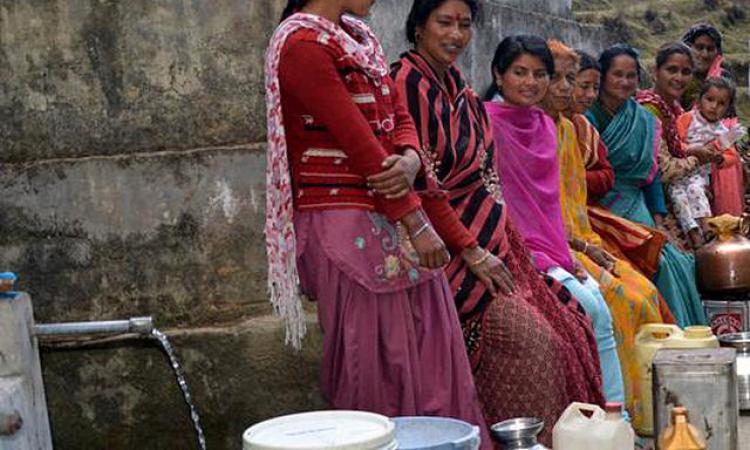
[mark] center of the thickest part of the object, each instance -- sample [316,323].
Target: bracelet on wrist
[481,259]
[420,230]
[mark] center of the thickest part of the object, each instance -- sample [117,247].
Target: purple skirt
[392,342]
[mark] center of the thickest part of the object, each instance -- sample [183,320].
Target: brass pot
[723,265]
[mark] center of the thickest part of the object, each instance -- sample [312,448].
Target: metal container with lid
[705,382]
[741,343]
[723,265]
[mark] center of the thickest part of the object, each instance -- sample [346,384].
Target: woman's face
[672,78]
[525,82]
[445,35]
[621,80]
[704,52]
[586,91]
[561,87]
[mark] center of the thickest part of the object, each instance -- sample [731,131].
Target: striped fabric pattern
[457,151]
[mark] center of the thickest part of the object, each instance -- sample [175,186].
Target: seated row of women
[475,259]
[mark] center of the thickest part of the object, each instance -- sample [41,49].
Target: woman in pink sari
[392,343]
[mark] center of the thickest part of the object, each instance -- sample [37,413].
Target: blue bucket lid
[435,433]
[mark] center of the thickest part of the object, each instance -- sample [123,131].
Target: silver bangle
[421,230]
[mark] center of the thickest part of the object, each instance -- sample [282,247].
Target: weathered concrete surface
[498,19]
[84,77]
[238,376]
[560,8]
[21,386]
[174,235]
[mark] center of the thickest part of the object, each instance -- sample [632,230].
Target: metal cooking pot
[723,265]
[741,343]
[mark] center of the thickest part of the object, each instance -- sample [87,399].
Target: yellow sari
[633,300]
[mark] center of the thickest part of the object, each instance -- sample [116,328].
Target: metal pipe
[140,325]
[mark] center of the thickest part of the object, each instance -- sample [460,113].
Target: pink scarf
[526,158]
[281,246]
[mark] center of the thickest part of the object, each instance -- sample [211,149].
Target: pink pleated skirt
[392,343]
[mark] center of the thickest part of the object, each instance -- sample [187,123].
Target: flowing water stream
[180,375]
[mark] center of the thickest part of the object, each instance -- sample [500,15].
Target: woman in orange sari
[632,299]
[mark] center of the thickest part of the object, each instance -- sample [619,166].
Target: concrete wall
[497,19]
[131,142]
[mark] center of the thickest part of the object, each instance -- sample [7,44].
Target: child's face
[714,103]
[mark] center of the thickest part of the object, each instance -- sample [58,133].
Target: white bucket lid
[334,430]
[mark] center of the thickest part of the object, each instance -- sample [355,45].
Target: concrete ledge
[176,235]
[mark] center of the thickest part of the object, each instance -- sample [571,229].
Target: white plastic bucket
[435,433]
[330,430]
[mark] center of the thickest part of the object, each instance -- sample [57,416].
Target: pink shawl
[283,279]
[526,158]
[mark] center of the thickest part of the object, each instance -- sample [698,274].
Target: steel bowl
[519,434]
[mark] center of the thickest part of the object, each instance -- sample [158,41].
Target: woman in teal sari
[632,136]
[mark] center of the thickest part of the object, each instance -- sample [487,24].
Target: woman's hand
[601,258]
[704,154]
[659,221]
[579,271]
[490,270]
[429,247]
[398,176]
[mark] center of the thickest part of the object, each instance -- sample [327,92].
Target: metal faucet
[138,325]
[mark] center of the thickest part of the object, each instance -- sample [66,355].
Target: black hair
[421,10]
[703,29]
[292,6]
[510,49]
[720,83]
[587,62]
[608,55]
[672,48]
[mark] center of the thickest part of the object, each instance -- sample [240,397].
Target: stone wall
[132,150]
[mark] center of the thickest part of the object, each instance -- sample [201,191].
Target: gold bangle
[481,259]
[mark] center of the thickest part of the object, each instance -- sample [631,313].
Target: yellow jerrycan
[650,339]
[680,435]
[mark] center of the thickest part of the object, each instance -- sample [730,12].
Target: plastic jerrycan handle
[575,409]
[647,332]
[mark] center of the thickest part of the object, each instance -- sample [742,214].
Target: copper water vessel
[723,265]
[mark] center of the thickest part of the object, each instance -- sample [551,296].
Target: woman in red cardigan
[392,343]
[532,355]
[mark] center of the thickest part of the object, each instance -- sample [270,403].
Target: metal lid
[695,357]
[740,341]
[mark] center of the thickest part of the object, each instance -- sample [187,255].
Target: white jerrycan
[603,430]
